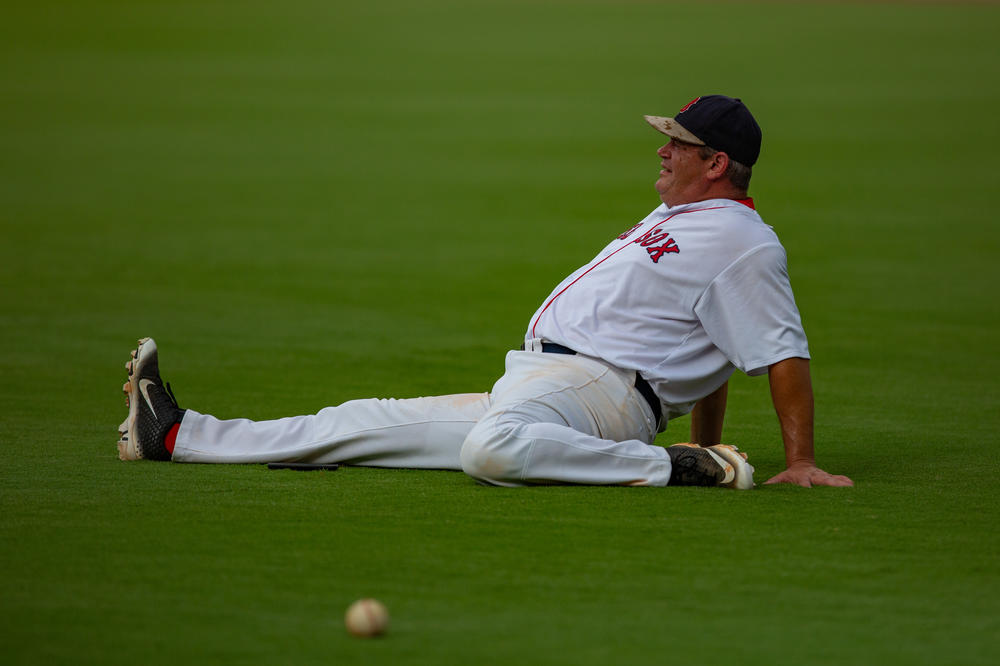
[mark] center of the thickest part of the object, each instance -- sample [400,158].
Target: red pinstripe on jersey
[746,202]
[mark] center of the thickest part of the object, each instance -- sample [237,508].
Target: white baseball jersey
[684,297]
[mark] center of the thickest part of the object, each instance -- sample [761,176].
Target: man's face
[682,173]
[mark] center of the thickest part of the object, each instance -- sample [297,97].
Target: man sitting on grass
[648,330]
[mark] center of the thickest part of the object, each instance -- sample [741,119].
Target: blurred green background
[307,202]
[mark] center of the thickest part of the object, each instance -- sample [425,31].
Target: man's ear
[718,163]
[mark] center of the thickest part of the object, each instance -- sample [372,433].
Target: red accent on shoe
[171,439]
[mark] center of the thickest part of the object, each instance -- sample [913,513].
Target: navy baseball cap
[720,122]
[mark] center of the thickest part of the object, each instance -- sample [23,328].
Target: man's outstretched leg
[414,433]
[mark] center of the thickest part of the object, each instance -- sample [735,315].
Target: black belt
[641,384]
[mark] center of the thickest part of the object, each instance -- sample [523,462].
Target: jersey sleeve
[749,311]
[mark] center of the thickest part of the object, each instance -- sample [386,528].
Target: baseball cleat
[718,465]
[152,409]
[742,470]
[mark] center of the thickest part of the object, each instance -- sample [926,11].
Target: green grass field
[307,202]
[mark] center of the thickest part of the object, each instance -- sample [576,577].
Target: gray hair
[737,172]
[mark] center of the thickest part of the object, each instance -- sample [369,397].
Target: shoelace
[170,394]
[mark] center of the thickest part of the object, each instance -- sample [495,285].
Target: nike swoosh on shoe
[144,385]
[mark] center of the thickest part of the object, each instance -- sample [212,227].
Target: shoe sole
[737,460]
[128,446]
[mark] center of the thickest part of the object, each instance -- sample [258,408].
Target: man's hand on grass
[808,476]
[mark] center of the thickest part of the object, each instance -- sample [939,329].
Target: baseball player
[650,329]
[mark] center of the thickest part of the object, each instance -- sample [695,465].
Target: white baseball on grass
[367,618]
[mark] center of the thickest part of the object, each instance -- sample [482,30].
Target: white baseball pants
[551,419]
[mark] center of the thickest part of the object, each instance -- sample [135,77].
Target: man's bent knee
[492,455]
